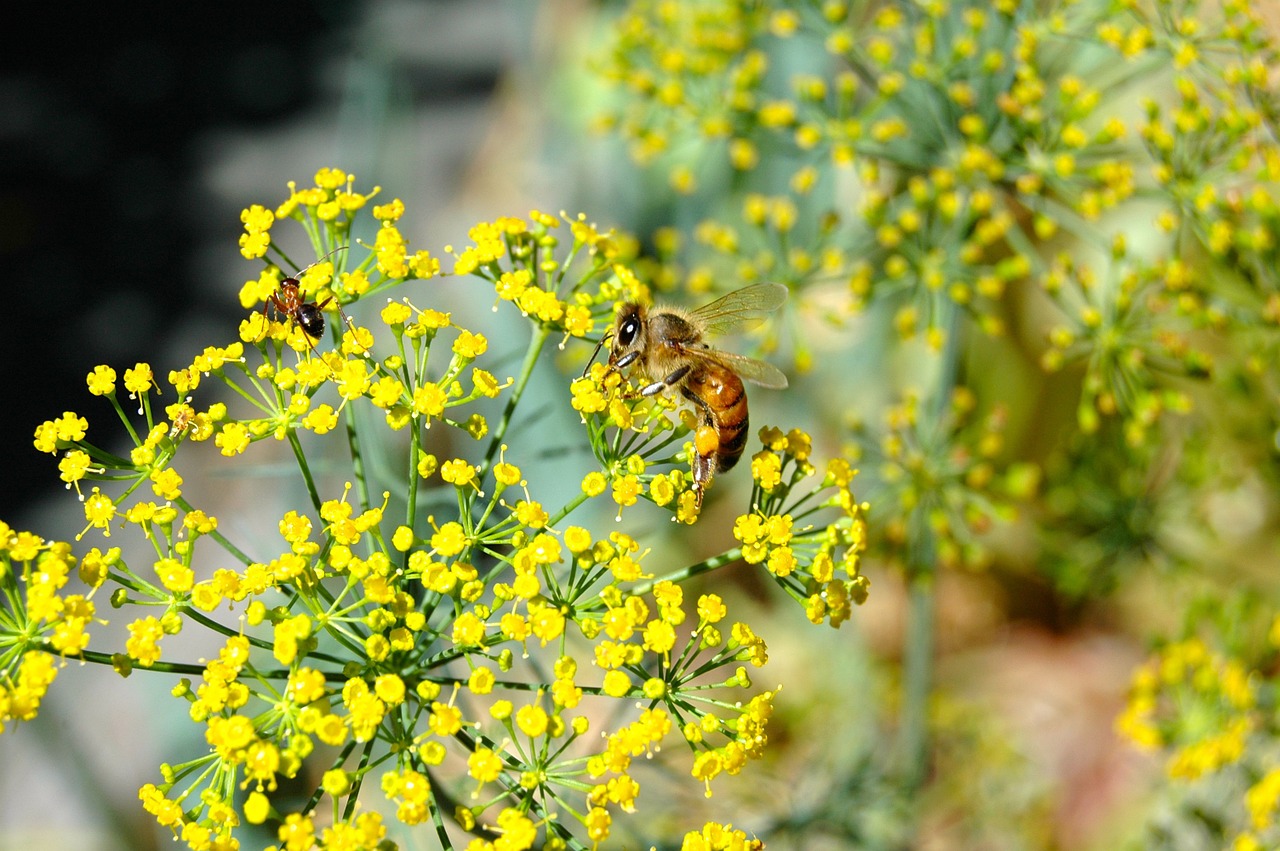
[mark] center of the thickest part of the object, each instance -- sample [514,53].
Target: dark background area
[100,195]
[106,116]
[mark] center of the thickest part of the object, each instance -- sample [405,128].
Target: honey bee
[666,345]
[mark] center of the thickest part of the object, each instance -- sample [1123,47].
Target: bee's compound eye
[627,331]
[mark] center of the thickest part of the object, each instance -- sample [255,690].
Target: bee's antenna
[596,352]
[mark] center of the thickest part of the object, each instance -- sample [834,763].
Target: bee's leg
[624,361]
[670,381]
[703,468]
[706,445]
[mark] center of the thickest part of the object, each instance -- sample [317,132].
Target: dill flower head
[422,632]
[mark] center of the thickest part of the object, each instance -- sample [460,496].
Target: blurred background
[129,144]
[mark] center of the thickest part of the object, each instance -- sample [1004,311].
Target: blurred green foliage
[1033,254]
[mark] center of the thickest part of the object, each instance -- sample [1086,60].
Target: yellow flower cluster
[942,470]
[956,202]
[1189,670]
[719,837]
[51,620]
[1203,710]
[483,634]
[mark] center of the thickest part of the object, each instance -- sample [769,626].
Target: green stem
[921,567]
[540,337]
[353,440]
[689,572]
[222,540]
[568,509]
[411,498]
[306,469]
[100,658]
[124,418]
[350,809]
[357,461]
[918,671]
[194,669]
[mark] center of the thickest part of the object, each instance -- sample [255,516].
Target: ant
[288,301]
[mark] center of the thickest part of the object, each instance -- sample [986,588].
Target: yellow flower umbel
[1200,708]
[467,651]
[1160,700]
[39,618]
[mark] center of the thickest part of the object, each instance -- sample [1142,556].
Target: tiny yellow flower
[532,720]
[70,427]
[458,472]
[506,474]
[74,466]
[531,514]
[616,683]
[578,540]
[429,399]
[386,392]
[626,490]
[322,420]
[481,681]
[485,384]
[139,379]
[402,539]
[427,465]
[233,438]
[99,510]
[484,765]
[449,540]
[469,345]
[102,381]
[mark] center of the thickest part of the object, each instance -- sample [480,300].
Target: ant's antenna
[320,260]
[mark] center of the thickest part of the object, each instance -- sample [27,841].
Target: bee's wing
[740,308]
[755,371]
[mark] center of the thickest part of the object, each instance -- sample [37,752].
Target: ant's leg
[351,326]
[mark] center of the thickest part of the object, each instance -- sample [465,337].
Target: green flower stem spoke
[357,460]
[686,573]
[536,344]
[921,611]
[414,483]
[108,659]
[124,418]
[305,469]
[234,551]
[917,673]
[365,754]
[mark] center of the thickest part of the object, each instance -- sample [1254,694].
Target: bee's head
[628,334]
